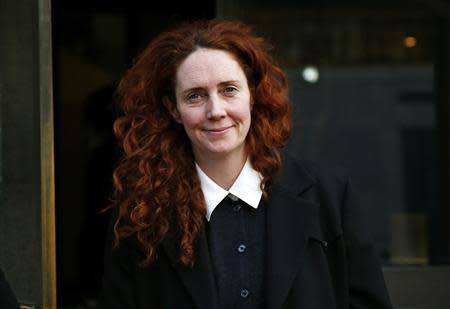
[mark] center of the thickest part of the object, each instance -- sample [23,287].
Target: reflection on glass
[310,74]
[410,41]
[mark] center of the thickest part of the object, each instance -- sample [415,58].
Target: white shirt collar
[246,187]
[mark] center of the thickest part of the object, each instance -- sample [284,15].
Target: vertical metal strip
[47,157]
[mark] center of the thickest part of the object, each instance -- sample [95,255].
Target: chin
[223,151]
[220,151]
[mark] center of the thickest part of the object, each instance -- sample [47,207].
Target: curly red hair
[156,187]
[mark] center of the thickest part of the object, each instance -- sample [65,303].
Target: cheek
[248,120]
[189,118]
[245,114]
[247,108]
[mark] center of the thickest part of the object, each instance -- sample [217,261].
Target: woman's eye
[230,90]
[194,97]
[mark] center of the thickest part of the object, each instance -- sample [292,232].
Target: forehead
[206,66]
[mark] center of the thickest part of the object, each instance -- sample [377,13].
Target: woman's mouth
[217,131]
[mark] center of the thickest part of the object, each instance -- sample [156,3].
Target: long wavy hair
[156,187]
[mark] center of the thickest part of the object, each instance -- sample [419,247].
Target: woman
[209,214]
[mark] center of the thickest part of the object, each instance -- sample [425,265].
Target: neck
[222,170]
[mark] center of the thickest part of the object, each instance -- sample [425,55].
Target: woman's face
[213,103]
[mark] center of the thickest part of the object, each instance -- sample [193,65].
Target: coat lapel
[290,222]
[199,280]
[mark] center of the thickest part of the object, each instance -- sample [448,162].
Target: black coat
[318,255]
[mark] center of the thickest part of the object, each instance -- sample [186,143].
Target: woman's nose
[215,108]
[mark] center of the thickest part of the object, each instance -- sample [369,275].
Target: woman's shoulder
[298,169]
[324,186]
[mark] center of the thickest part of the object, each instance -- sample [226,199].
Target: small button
[236,208]
[242,248]
[244,293]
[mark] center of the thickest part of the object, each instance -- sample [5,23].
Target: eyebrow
[220,84]
[191,90]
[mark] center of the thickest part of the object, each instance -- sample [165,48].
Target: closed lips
[218,129]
